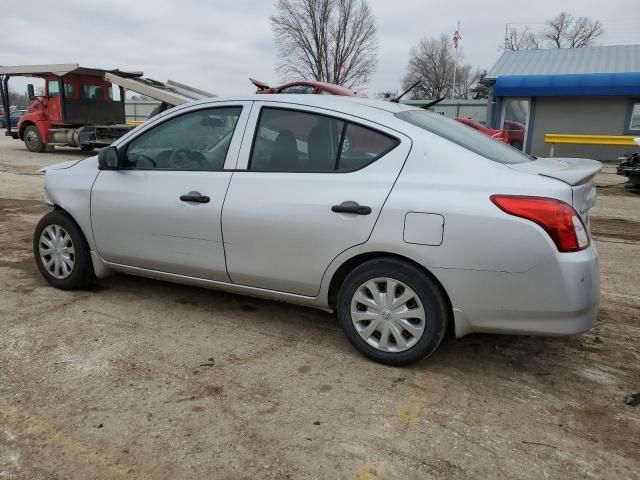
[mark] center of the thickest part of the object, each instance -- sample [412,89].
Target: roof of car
[332,102]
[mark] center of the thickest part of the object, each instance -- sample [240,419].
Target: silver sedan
[405,223]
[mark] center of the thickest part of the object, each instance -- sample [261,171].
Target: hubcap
[56,251]
[31,138]
[388,314]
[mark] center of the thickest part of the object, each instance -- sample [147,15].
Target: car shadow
[483,354]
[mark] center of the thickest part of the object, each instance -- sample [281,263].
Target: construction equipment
[83,107]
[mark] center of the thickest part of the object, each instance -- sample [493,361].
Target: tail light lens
[557,218]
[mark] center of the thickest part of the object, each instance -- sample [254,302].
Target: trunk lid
[575,172]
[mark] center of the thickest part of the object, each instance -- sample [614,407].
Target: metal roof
[563,61]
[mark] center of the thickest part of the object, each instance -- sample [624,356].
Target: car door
[161,210]
[309,185]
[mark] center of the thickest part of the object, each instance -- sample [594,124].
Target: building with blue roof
[579,91]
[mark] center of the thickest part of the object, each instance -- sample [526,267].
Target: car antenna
[427,106]
[397,99]
[431,104]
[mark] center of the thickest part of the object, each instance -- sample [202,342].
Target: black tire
[87,148]
[33,139]
[82,274]
[429,292]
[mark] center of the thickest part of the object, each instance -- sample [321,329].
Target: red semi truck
[83,107]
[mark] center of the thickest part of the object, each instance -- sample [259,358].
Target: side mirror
[108,158]
[30,92]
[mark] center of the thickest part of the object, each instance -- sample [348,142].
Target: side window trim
[340,145]
[241,123]
[346,123]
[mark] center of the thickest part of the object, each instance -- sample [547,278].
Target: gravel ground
[139,379]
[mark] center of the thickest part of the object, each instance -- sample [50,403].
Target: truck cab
[82,106]
[76,110]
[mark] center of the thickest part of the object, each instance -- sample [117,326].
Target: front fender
[39,120]
[70,189]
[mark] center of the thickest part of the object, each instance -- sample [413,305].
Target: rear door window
[297,141]
[362,146]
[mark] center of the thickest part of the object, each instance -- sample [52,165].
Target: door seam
[224,199]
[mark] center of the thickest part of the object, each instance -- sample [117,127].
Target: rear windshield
[464,136]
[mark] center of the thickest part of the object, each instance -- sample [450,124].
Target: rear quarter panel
[443,178]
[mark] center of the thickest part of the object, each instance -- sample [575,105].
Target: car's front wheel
[61,252]
[392,311]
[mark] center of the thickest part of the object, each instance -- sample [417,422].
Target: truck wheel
[33,139]
[61,252]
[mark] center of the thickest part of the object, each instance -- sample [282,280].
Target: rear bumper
[558,297]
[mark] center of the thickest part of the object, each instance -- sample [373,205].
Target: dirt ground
[139,379]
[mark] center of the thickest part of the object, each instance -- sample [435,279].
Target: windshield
[464,136]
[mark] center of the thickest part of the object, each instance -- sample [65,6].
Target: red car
[515,133]
[303,86]
[499,135]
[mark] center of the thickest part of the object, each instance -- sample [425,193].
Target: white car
[404,222]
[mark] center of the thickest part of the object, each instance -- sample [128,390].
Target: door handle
[351,207]
[195,197]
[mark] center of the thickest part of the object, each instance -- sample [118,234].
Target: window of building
[295,141]
[633,119]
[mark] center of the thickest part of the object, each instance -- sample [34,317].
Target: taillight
[557,218]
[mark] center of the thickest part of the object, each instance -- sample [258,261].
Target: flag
[456,38]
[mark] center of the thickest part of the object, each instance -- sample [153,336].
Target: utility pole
[456,38]
[506,35]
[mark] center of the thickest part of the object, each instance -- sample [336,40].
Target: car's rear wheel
[61,252]
[33,139]
[392,311]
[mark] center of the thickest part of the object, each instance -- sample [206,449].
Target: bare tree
[569,32]
[18,99]
[523,39]
[479,90]
[557,28]
[326,40]
[432,64]
[562,31]
[464,81]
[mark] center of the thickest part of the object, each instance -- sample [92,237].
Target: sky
[217,45]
